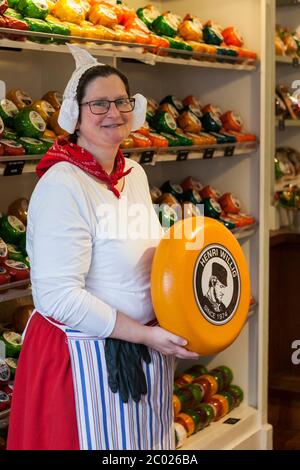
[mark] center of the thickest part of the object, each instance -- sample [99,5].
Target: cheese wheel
[229,203]
[155,193]
[140,140]
[3,251]
[44,108]
[200,284]
[211,122]
[209,108]
[232,121]
[14,252]
[32,146]
[191,183]
[176,405]
[217,406]
[189,122]
[12,364]
[29,123]
[210,192]
[169,108]
[53,123]
[174,189]
[1,126]
[55,98]
[4,373]
[18,270]
[20,98]
[11,229]
[4,401]
[13,343]
[8,110]
[127,143]
[180,435]
[193,101]
[5,278]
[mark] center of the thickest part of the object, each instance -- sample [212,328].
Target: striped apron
[104,421]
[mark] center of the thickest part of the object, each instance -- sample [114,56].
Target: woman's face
[110,128]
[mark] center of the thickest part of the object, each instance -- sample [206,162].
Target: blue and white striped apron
[104,421]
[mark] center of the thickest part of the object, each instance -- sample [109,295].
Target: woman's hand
[154,337]
[167,343]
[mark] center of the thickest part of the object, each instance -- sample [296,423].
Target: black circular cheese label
[217,284]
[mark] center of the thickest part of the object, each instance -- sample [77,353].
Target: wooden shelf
[222,436]
[117,49]
[245,232]
[14,290]
[281,124]
[144,156]
[288,60]
[279,185]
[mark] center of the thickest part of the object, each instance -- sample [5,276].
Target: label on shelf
[14,168]
[209,153]
[147,156]
[231,421]
[229,151]
[182,155]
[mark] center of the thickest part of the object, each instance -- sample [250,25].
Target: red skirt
[43,415]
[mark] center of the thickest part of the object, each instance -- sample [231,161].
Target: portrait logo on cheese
[217,284]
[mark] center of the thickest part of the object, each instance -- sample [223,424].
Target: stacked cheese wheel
[201,397]
[12,341]
[174,122]
[178,201]
[117,22]
[14,262]
[28,126]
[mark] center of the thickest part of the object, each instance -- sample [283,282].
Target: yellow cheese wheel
[44,108]
[200,284]
[19,97]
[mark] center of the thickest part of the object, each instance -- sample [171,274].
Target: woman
[73,389]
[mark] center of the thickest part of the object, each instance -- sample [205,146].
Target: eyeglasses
[124,105]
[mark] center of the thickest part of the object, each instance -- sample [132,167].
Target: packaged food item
[55,98]
[148,14]
[189,122]
[69,10]
[29,123]
[140,140]
[20,98]
[232,121]
[291,101]
[33,8]
[191,29]
[167,24]
[232,37]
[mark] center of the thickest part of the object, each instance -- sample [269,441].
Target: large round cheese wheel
[200,284]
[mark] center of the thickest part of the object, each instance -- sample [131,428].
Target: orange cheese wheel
[200,284]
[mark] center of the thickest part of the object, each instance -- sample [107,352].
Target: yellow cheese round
[200,284]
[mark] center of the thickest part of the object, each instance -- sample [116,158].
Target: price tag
[229,151]
[126,154]
[281,124]
[182,155]
[147,156]
[209,153]
[14,168]
[232,421]
[296,62]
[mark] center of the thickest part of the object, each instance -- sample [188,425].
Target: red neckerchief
[64,151]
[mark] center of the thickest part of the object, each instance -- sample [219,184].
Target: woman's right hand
[167,343]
